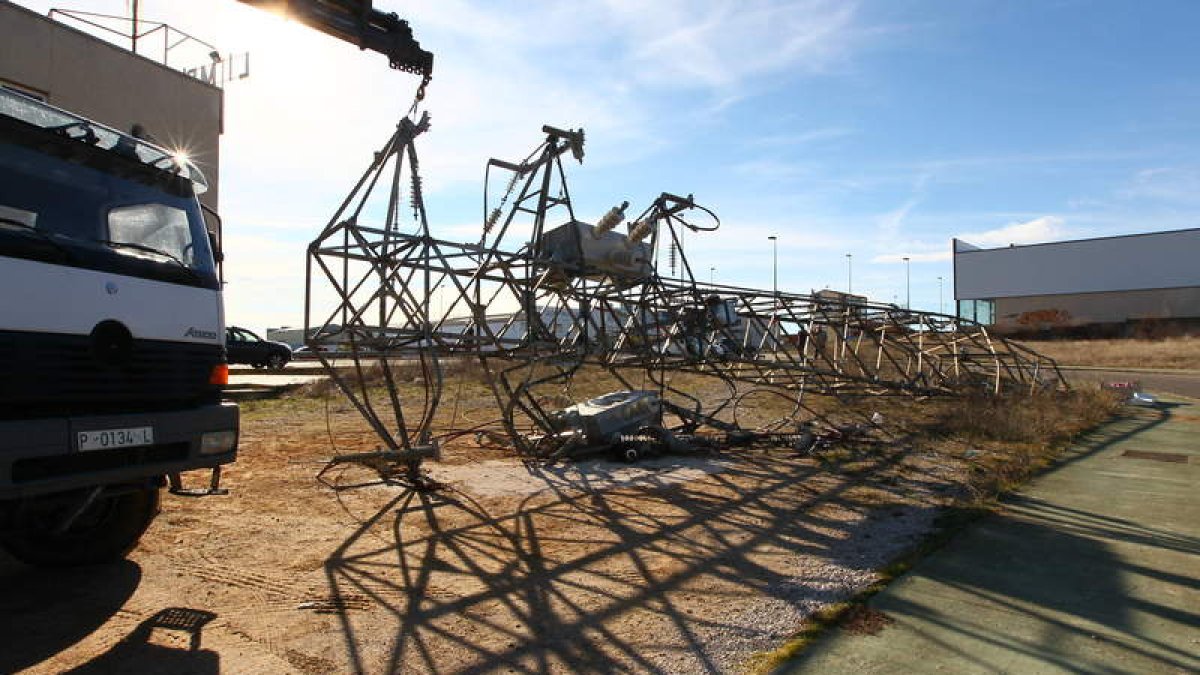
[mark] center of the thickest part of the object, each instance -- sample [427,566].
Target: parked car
[246,347]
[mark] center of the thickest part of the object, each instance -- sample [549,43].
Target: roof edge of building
[977,249]
[60,25]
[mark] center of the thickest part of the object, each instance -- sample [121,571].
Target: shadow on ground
[1070,587]
[622,579]
[43,612]
[168,643]
[1044,585]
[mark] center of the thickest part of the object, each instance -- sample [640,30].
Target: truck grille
[54,374]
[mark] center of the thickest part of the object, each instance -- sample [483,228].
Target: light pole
[712,276]
[907,285]
[774,264]
[940,309]
[849,274]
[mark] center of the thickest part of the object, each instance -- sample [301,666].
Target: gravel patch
[500,478]
[859,542]
[847,566]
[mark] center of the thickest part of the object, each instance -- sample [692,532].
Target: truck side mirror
[214,242]
[218,254]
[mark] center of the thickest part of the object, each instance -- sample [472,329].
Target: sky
[876,129]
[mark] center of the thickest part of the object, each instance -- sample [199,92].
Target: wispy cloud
[942,164]
[1034,231]
[718,44]
[1176,185]
[890,223]
[772,169]
[806,137]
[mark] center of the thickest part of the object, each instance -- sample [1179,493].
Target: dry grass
[406,372]
[1008,439]
[1176,352]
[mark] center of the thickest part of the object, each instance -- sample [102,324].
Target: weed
[1176,352]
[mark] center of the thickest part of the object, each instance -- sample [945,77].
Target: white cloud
[1038,230]
[264,280]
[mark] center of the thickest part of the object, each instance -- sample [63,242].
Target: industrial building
[1139,284]
[80,72]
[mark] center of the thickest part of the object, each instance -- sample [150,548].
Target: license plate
[102,439]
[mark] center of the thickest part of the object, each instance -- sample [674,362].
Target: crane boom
[359,23]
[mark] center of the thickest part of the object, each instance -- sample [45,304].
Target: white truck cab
[112,329]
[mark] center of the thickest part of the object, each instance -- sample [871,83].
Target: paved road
[1182,383]
[1093,568]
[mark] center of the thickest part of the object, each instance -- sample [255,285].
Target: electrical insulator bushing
[610,220]
[491,220]
[639,230]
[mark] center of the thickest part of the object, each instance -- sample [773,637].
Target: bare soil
[681,564]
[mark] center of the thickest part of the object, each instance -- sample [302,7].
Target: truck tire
[105,532]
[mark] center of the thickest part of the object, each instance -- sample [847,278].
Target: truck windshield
[92,214]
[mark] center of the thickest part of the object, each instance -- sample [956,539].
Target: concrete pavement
[1092,568]
[271,379]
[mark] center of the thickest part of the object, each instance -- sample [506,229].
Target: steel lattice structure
[581,295]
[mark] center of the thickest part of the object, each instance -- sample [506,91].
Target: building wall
[1137,262]
[88,76]
[1071,284]
[294,337]
[1080,309]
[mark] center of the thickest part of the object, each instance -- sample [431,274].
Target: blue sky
[877,128]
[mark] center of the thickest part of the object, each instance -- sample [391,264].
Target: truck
[111,321]
[112,330]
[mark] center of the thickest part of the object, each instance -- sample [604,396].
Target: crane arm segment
[357,22]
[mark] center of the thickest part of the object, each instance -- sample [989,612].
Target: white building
[1113,285]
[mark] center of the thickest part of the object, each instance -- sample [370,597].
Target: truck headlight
[218,442]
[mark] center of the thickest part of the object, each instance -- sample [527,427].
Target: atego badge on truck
[111,330]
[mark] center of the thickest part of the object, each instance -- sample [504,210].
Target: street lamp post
[940,306]
[907,285]
[774,264]
[712,271]
[849,274]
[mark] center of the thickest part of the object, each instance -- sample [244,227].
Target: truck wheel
[105,532]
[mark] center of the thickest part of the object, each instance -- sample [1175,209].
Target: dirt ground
[681,564]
